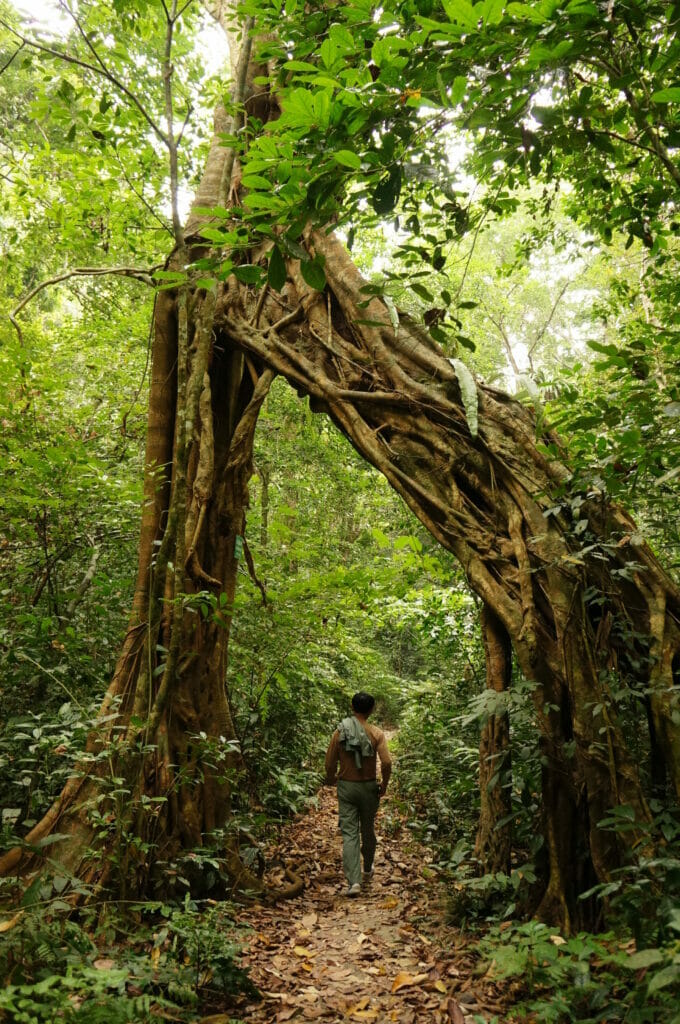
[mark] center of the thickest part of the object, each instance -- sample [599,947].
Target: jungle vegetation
[340,341]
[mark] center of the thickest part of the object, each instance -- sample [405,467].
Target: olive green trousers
[357,807]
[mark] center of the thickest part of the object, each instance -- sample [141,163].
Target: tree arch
[496,494]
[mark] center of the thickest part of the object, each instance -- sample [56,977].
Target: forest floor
[386,955]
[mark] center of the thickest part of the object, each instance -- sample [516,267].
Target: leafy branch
[135,273]
[99,69]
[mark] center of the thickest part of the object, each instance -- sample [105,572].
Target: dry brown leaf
[287,1013]
[337,973]
[6,926]
[105,963]
[557,940]
[304,951]
[309,920]
[365,1014]
[405,980]
[440,986]
[390,903]
[455,1013]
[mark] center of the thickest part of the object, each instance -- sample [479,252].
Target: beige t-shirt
[348,769]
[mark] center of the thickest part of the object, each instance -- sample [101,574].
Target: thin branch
[487,211]
[498,324]
[101,71]
[253,574]
[21,656]
[183,9]
[624,139]
[133,272]
[85,582]
[168,71]
[547,323]
[185,122]
[140,195]
[123,422]
[285,320]
[15,54]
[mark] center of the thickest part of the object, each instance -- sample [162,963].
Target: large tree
[316,125]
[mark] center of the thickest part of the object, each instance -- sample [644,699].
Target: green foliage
[37,755]
[584,978]
[549,110]
[180,961]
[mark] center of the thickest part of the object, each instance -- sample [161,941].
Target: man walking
[354,745]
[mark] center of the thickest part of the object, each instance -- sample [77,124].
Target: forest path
[382,956]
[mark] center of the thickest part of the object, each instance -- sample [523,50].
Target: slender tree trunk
[493,846]
[265,477]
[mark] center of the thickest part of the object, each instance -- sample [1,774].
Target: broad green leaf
[460,11]
[421,291]
[328,52]
[170,275]
[492,12]
[293,248]
[386,192]
[217,236]
[645,958]
[528,12]
[458,90]
[249,273]
[347,159]
[583,7]
[664,978]
[670,95]
[276,271]
[263,201]
[255,181]
[313,274]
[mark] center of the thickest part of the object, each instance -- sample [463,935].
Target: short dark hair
[363,702]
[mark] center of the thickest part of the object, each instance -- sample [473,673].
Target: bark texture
[503,507]
[493,845]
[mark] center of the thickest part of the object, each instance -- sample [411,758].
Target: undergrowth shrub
[587,979]
[178,962]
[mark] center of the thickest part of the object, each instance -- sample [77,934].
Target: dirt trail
[383,956]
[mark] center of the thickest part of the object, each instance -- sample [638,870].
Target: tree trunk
[494,833]
[499,501]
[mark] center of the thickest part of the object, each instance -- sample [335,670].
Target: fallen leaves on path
[384,956]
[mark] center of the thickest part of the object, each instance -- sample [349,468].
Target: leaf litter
[384,956]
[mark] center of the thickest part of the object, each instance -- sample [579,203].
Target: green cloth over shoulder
[354,739]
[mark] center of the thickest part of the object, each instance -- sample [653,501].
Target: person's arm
[385,763]
[332,755]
